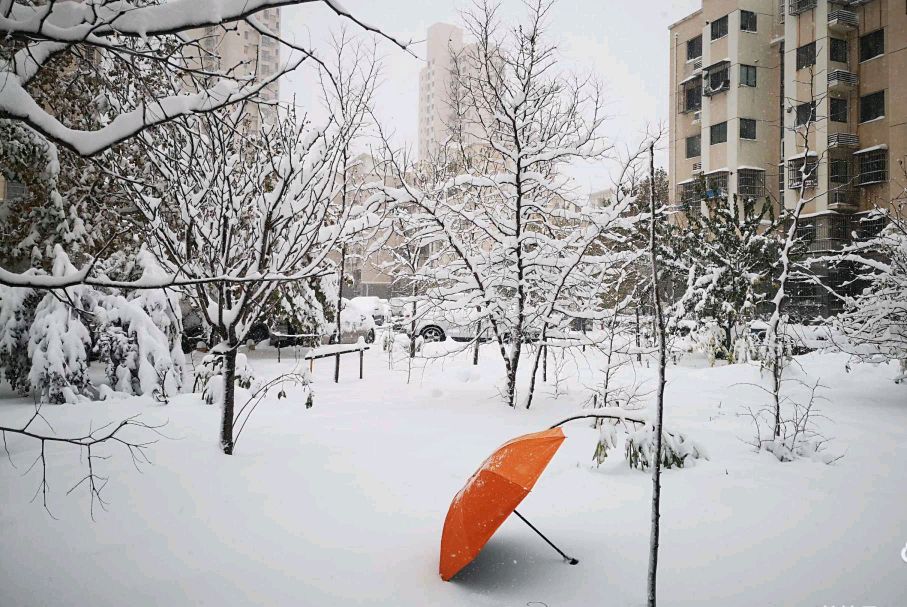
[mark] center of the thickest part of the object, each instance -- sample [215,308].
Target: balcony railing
[841,20]
[842,198]
[841,80]
[843,140]
[800,6]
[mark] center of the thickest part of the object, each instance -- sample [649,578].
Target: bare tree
[493,204]
[267,206]
[659,393]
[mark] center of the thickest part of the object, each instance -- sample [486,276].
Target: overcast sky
[624,42]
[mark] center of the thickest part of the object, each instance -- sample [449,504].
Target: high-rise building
[750,78]
[443,43]
[238,48]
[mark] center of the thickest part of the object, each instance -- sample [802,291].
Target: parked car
[379,308]
[433,323]
[355,321]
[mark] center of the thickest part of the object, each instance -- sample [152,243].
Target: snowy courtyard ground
[343,504]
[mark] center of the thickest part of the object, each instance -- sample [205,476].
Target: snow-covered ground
[343,504]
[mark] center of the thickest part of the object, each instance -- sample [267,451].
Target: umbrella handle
[569,559]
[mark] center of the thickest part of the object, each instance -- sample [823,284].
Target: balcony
[842,81]
[842,21]
[800,6]
[842,198]
[843,140]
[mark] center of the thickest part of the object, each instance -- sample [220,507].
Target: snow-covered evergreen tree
[875,320]
[726,256]
[17,313]
[59,340]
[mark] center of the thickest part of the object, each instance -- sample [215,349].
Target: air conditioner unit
[697,168]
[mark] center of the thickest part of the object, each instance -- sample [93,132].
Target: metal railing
[842,78]
[843,140]
[795,7]
[844,17]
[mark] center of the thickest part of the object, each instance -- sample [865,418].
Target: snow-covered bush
[59,341]
[209,375]
[677,451]
[140,357]
[17,312]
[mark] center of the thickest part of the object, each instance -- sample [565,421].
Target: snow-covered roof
[881,146]
[721,170]
[749,168]
[690,180]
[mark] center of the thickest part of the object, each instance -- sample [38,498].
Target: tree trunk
[659,396]
[475,352]
[226,427]
[540,351]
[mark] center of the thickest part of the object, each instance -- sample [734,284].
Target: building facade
[240,49]
[443,42]
[760,88]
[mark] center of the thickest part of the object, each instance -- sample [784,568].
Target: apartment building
[443,42]
[761,87]
[240,49]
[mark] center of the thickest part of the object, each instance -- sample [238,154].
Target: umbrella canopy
[491,494]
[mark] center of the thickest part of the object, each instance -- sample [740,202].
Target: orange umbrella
[491,494]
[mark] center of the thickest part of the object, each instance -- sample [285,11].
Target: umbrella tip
[572,561]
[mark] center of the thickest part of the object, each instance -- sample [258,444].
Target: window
[806,55]
[873,166]
[747,21]
[872,106]
[839,170]
[795,169]
[718,133]
[751,183]
[694,48]
[872,45]
[692,96]
[694,146]
[837,109]
[747,128]
[747,75]
[719,28]
[719,78]
[686,194]
[716,185]
[838,50]
[781,179]
[806,112]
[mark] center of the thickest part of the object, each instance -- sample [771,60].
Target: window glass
[747,128]
[719,28]
[872,106]
[806,112]
[838,50]
[718,133]
[694,48]
[747,75]
[872,45]
[837,109]
[806,55]
[692,96]
[748,21]
[694,146]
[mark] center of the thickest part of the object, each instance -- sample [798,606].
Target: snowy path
[343,504]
